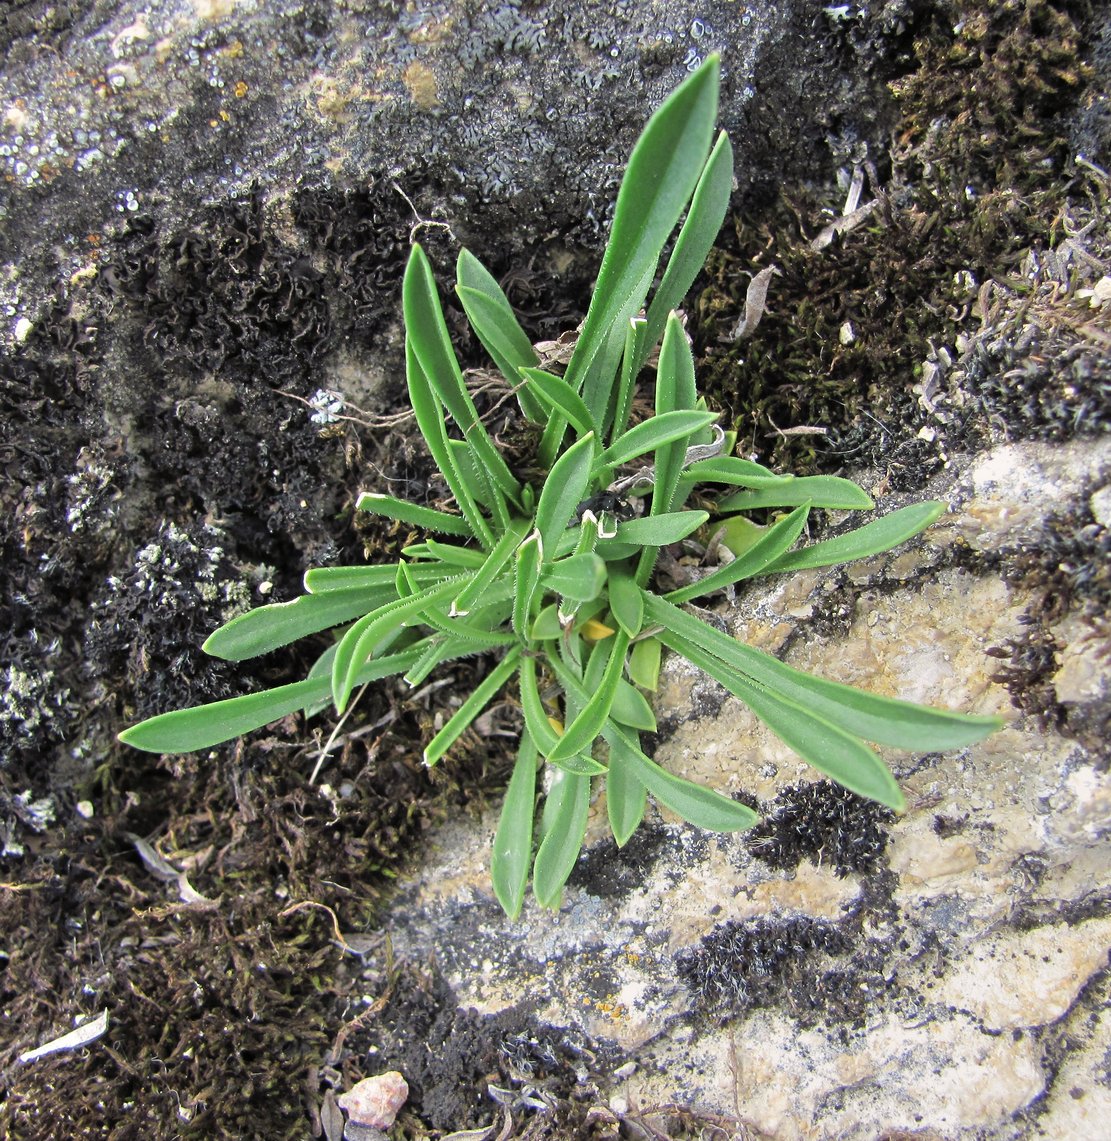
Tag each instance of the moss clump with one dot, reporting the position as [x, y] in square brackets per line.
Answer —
[979, 179]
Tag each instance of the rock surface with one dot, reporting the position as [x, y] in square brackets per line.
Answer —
[976, 953]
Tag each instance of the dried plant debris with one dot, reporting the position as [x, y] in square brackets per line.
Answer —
[825, 823]
[958, 311]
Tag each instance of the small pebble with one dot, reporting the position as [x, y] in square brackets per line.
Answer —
[374, 1102]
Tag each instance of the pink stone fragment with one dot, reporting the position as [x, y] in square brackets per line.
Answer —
[374, 1102]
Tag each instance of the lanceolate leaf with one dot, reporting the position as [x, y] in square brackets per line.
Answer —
[526, 583]
[818, 490]
[187, 730]
[565, 814]
[539, 728]
[512, 854]
[631, 709]
[555, 394]
[563, 491]
[674, 392]
[696, 239]
[496, 561]
[695, 803]
[496, 326]
[268, 627]
[885, 720]
[659, 530]
[701, 806]
[626, 798]
[731, 470]
[626, 601]
[879, 535]
[819, 742]
[402, 510]
[479, 698]
[652, 434]
[663, 171]
[644, 663]
[430, 420]
[577, 577]
[426, 329]
[764, 551]
[584, 730]
[366, 634]
[454, 556]
[319, 580]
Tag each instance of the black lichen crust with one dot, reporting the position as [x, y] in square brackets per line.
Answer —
[460, 1064]
[1068, 569]
[819, 971]
[741, 965]
[825, 823]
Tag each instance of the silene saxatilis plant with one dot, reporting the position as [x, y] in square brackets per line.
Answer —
[554, 583]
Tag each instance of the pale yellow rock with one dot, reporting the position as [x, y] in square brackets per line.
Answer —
[924, 859]
[802, 1085]
[1027, 978]
[1079, 1104]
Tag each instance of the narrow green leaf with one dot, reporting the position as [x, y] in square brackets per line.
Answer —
[626, 388]
[267, 628]
[440, 649]
[555, 394]
[755, 560]
[569, 797]
[675, 392]
[662, 174]
[626, 798]
[426, 328]
[659, 530]
[495, 563]
[430, 420]
[580, 765]
[526, 583]
[363, 638]
[449, 553]
[187, 730]
[819, 490]
[879, 535]
[496, 326]
[695, 803]
[696, 239]
[631, 709]
[819, 742]
[644, 663]
[652, 434]
[539, 728]
[427, 518]
[512, 853]
[599, 382]
[320, 580]
[626, 601]
[701, 806]
[563, 491]
[583, 731]
[731, 470]
[547, 626]
[885, 720]
[577, 577]
[475, 703]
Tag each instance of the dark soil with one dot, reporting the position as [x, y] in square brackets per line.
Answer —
[215, 905]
